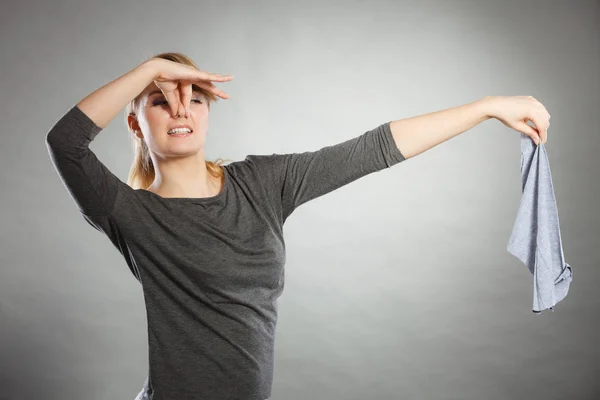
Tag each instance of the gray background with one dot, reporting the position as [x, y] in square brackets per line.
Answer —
[398, 285]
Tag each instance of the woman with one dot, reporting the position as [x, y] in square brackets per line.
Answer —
[205, 240]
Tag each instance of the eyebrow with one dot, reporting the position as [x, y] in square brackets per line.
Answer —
[195, 88]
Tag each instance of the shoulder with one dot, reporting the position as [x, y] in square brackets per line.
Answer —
[264, 169]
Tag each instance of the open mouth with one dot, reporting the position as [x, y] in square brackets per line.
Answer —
[180, 132]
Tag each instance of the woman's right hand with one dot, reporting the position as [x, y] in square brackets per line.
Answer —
[175, 81]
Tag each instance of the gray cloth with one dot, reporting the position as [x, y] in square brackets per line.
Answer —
[211, 269]
[535, 238]
[145, 393]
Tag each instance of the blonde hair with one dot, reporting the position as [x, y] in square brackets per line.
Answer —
[141, 173]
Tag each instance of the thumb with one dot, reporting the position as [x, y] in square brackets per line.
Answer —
[529, 131]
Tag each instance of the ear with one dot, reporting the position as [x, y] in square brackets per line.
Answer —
[133, 125]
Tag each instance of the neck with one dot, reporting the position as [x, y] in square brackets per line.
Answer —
[184, 177]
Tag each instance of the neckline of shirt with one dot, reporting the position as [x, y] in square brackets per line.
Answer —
[196, 199]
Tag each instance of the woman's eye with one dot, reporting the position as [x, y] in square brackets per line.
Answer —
[157, 103]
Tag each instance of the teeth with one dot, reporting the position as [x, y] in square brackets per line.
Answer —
[179, 130]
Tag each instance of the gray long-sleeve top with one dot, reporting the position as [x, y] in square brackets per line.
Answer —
[211, 268]
[535, 239]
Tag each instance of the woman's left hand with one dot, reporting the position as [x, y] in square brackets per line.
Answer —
[515, 111]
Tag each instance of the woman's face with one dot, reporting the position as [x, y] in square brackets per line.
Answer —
[155, 120]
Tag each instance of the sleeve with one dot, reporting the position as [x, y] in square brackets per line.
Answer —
[91, 185]
[296, 178]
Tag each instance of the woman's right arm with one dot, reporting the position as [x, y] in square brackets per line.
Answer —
[92, 186]
[105, 103]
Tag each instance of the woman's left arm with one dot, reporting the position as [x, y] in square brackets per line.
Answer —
[415, 135]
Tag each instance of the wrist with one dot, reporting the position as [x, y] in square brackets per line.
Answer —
[486, 105]
[151, 68]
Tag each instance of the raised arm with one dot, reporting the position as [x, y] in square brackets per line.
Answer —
[91, 185]
[295, 178]
[417, 134]
[105, 103]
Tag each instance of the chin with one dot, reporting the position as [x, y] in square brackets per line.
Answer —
[182, 149]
